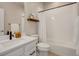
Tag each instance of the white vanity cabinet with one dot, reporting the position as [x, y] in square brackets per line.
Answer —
[17, 52]
[28, 49]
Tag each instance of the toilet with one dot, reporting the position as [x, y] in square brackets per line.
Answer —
[43, 49]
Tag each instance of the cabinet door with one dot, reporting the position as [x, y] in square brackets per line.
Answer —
[31, 52]
[17, 52]
[30, 48]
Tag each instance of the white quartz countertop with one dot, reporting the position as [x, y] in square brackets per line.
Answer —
[9, 45]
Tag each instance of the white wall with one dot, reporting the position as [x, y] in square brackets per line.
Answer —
[31, 7]
[48, 5]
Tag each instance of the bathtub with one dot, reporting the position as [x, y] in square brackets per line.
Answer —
[62, 50]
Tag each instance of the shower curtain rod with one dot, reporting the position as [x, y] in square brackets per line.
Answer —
[58, 7]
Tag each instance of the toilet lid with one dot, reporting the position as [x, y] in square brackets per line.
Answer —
[43, 45]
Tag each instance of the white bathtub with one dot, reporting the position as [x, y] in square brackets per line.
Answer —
[62, 50]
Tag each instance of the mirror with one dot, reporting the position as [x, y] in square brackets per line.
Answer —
[1, 21]
[10, 13]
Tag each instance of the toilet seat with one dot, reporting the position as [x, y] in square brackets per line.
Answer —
[43, 46]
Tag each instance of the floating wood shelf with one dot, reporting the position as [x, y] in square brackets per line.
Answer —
[35, 20]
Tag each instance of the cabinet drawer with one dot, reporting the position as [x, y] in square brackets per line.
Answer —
[30, 46]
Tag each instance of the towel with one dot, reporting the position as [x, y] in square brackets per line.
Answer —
[14, 28]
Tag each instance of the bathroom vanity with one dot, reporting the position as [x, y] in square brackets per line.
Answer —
[24, 46]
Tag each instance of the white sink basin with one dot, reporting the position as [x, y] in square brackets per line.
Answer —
[4, 37]
[11, 42]
[8, 43]
[14, 42]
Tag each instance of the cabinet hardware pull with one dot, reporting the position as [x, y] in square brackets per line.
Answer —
[32, 53]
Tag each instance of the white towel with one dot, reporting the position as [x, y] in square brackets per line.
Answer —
[14, 28]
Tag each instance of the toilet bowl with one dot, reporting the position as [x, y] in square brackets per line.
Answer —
[43, 46]
[43, 49]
